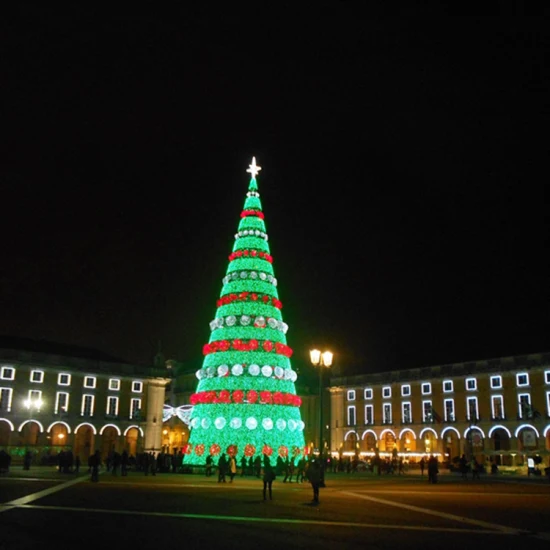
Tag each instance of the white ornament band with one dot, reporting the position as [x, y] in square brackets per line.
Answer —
[249, 320]
[254, 275]
[251, 233]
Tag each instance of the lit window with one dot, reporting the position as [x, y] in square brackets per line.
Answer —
[406, 412]
[496, 382]
[6, 395]
[369, 414]
[524, 406]
[471, 408]
[427, 415]
[7, 373]
[548, 403]
[387, 413]
[87, 405]
[112, 406]
[547, 376]
[368, 393]
[37, 376]
[137, 387]
[522, 379]
[351, 395]
[64, 379]
[135, 408]
[449, 405]
[471, 384]
[89, 381]
[386, 391]
[447, 386]
[351, 416]
[114, 384]
[497, 407]
[61, 402]
[426, 388]
[406, 390]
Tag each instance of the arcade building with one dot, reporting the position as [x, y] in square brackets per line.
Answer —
[496, 410]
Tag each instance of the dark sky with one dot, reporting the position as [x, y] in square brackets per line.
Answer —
[403, 181]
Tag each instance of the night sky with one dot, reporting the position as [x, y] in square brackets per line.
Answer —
[403, 182]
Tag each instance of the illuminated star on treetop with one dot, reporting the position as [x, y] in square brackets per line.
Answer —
[253, 168]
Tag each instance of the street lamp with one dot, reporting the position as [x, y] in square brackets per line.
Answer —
[321, 360]
[33, 405]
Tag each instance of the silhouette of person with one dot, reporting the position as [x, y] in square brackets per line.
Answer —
[96, 463]
[269, 476]
[314, 476]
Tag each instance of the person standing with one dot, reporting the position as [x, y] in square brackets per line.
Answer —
[269, 476]
[314, 477]
[432, 469]
[208, 470]
[232, 468]
[222, 467]
[77, 464]
[422, 466]
[96, 463]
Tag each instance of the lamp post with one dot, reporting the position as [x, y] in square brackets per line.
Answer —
[321, 360]
[33, 404]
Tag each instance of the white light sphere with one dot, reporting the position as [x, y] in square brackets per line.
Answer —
[281, 424]
[251, 423]
[223, 370]
[236, 370]
[220, 422]
[236, 423]
[267, 424]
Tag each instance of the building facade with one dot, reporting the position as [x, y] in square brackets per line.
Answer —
[495, 410]
[52, 402]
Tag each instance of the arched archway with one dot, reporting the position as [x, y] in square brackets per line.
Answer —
[59, 437]
[450, 441]
[109, 441]
[527, 437]
[29, 434]
[84, 442]
[388, 441]
[500, 443]
[6, 429]
[132, 441]
[351, 440]
[407, 441]
[369, 442]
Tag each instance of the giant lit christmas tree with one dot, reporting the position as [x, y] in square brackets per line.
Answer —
[246, 402]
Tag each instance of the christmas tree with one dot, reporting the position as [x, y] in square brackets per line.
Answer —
[246, 402]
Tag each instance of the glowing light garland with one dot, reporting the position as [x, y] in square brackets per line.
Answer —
[245, 403]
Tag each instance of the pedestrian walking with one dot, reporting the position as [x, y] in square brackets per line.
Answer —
[314, 477]
[77, 464]
[269, 477]
[422, 466]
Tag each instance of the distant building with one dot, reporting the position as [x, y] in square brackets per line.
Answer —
[496, 410]
[55, 397]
